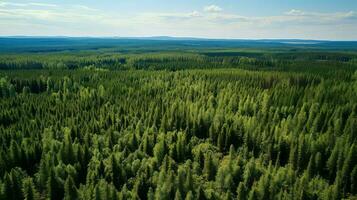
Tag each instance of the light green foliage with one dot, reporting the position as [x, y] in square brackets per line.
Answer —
[268, 133]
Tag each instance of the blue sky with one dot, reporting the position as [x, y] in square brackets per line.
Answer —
[252, 19]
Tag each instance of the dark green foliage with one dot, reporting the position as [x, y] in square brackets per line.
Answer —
[269, 132]
[70, 190]
[28, 189]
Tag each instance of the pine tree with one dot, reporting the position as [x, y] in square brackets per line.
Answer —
[310, 168]
[15, 153]
[7, 188]
[54, 191]
[220, 141]
[201, 194]
[16, 176]
[241, 191]
[347, 168]
[160, 150]
[68, 151]
[209, 168]
[178, 195]
[26, 90]
[150, 195]
[146, 144]
[12, 92]
[253, 194]
[97, 194]
[354, 180]
[134, 142]
[70, 190]
[189, 196]
[29, 190]
[189, 179]
[180, 146]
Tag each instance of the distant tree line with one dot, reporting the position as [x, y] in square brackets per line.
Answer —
[172, 61]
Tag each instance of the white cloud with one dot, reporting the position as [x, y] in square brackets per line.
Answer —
[31, 4]
[213, 8]
[9, 4]
[319, 16]
[295, 12]
[32, 12]
[351, 14]
[50, 19]
[42, 4]
[83, 7]
[194, 14]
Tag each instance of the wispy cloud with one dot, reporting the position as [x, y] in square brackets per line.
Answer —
[194, 14]
[11, 4]
[64, 19]
[292, 16]
[320, 15]
[213, 8]
[295, 12]
[47, 12]
[42, 4]
[290, 24]
[83, 7]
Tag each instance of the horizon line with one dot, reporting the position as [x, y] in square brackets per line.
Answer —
[167, 37]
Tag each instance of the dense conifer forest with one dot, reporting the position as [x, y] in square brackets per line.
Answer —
[207, 122]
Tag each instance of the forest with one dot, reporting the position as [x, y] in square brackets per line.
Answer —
[216, 121]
